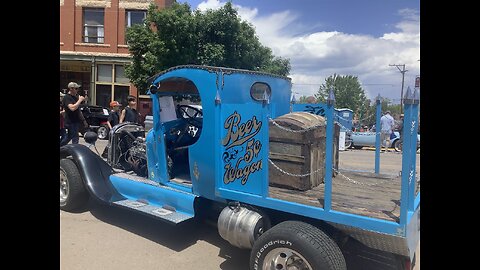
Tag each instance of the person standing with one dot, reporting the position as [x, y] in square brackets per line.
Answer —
[130, 114]
[386, 122]
[400, 126]
[63, 131]
[73, 119]
[113, 120]
[114, 117]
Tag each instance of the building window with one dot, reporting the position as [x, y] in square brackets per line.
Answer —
[111, 84]
[93, 26]
[120, 74]
[104, 73]
[134, 17]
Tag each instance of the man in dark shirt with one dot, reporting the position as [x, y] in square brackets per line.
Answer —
[130, 114]
[63, 131]
[73, 119]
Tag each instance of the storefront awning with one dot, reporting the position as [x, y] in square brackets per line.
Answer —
[95, 56]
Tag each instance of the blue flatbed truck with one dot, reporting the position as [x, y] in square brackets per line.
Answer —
[214, 164]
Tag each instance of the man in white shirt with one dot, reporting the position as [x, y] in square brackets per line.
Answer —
[387, 123]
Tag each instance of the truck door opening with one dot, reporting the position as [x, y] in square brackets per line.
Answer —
[181, 116]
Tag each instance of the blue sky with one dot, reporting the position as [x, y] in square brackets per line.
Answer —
[347, 37]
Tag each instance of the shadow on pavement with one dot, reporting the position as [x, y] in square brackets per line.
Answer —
[176, 237]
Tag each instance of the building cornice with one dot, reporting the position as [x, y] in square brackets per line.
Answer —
[135, 4]
[73, 55]
[93, 3]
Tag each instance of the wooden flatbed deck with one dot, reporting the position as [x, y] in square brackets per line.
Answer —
[376, 196]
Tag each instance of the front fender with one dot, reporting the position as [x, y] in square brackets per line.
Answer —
[95, 172]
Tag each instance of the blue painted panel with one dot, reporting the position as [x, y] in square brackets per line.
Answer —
[157, 196]
[152, 157]
[417, 201]
[243, 148]
[328, 158]
[378, 110]
[345, 118]
[317, 108]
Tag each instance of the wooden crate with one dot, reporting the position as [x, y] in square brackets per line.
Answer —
[299, 153]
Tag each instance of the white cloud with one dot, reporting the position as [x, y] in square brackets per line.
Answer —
[316, 55]
[210, 4]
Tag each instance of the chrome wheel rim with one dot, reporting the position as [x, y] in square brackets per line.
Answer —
[102, 133]
[348, 144]
[63, 187]
[398, 146]
[285, 259]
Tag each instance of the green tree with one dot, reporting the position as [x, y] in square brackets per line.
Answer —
[367, 116]
[388, 106]
[348, 92]
[177, 36]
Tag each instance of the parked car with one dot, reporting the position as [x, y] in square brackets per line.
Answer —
[96, 117]
[367, 139]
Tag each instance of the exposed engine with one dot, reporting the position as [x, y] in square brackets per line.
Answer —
[137, 157]
[127, 148]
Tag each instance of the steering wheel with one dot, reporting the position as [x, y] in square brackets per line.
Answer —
[192, 119]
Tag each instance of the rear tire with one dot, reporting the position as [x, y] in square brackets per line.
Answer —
[72, 192]
[296, 245]
[398, 145]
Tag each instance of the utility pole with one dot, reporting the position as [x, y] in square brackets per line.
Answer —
[403, 80]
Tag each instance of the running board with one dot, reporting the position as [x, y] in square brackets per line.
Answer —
[158, 212]
[149, 197]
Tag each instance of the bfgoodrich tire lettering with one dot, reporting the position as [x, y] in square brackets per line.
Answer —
[305, 243]
[72, 192]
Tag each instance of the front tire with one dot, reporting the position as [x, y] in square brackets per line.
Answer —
[348, 144]
[296, 245]
[72, 192]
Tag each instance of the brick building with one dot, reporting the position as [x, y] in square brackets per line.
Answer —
[93, 51]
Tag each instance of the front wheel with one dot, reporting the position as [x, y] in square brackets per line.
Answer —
[348, 144]
[72, 192]
[296, 245]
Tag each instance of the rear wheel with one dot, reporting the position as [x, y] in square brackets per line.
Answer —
[296, 245]
[72, 192]
[398, 145]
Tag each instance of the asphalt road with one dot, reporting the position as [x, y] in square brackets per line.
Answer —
[102, 237]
